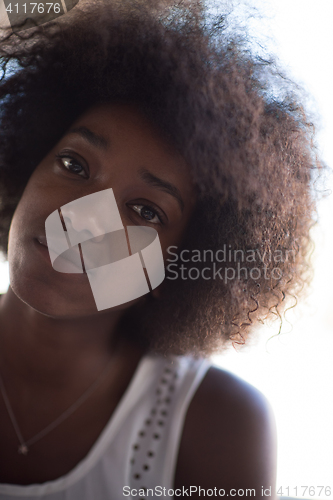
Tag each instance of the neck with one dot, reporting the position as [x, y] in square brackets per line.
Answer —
[33, 344]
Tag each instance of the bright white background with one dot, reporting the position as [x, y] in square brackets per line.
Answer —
[295, 370]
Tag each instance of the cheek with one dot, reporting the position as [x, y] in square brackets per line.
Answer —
[39, 199]
[32, 277]
[23, 229]
[27, 221]
[19, 226]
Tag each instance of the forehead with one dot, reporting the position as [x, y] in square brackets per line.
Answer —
[117, 123]
[121, 132]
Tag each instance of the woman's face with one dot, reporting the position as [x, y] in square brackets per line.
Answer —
[109, 146]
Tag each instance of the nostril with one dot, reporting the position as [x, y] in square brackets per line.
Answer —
[82, 226]
[77, 227]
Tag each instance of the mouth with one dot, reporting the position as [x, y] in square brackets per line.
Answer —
[40, 244]
[42, 240]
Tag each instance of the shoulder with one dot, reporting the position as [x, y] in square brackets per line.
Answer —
[229, 437]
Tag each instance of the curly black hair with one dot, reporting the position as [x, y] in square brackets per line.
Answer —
[252, 153]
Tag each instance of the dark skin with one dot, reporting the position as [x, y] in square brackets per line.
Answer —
[54, 343]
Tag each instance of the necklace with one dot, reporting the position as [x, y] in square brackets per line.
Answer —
[25, 444]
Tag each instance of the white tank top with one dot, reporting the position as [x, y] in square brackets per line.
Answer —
[138, 447]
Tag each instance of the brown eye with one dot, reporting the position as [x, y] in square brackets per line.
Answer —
[72, 165]
[147, 213]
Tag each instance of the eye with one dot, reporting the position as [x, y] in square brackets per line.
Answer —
[72, 165]
[148, 213]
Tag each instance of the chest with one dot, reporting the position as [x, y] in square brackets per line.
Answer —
[56, 453]
[136, 441]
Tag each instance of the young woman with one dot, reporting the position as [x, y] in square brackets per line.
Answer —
[175, 114]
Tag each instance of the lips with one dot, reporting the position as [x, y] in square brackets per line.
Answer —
[42, 240]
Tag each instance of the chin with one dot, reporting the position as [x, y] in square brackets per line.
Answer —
[52, 293]
[54, 301]
[37, 284]
[60, 301]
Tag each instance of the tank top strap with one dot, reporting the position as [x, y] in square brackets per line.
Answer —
[154, 449]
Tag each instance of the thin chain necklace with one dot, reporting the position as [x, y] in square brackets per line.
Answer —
[25, 444]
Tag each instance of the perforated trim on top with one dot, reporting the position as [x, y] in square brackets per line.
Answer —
[150, 438]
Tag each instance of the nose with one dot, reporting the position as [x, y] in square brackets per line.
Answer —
[91, 216]
[84, 226]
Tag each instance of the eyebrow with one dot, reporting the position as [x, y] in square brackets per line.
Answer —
[96, 140]
[165, 186]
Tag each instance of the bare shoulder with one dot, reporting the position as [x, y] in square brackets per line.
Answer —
[229, 437]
